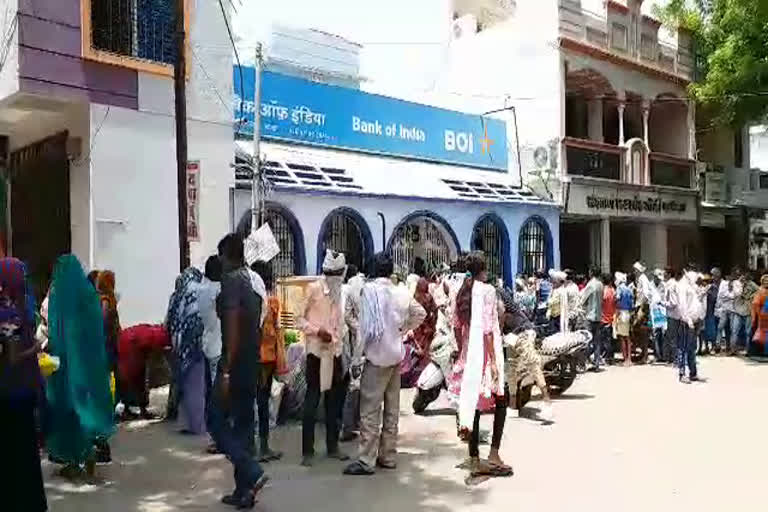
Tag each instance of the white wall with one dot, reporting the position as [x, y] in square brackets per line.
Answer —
[134, 202]
[514, 63]
[758, 145]
[134, 173]
[9, 73]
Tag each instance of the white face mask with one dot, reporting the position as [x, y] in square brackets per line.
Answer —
[334, 284]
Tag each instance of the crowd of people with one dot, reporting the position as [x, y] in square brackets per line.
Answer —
[677, 314]
[365, 336]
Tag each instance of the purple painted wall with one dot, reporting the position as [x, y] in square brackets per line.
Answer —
[51, 63]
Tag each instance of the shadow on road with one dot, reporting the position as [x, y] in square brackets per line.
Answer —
[157, 470]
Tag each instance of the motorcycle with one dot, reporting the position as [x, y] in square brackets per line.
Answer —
[562, 354]
[432, 379]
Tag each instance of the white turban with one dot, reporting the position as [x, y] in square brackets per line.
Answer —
[334, 261]
[557, 275]
[620, 278]
[639, 267]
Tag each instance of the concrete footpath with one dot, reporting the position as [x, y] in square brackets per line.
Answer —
[628, 439]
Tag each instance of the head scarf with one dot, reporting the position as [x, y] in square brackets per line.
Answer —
[184, 322]
[17, 321]
[620, 278]
[105, 284]
[639, 267]
[79, 392]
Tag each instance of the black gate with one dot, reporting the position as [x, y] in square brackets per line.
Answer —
[344, 235]
[487, 238]
[284, 264]
[40, 208]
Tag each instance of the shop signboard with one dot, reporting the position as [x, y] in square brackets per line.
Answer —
[617, 201]
[193, 201]
[305, 112]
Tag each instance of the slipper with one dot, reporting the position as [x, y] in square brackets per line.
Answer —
[500, 470]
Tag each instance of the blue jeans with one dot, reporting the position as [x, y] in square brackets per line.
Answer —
[597, 343]
[686, 349]
[737, 321]
[230, 430]
[722, 323]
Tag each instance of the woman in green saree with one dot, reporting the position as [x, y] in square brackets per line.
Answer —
[78, 393]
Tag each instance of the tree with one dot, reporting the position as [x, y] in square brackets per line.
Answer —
[731, 38]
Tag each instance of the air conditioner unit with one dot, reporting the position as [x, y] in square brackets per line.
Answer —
[464, 26]
[545, 157]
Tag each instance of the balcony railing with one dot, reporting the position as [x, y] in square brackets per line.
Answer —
[593, 159]
[593, 29]
[143, 30]
[671, 171]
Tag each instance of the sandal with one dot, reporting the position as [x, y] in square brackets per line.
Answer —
[500, 470]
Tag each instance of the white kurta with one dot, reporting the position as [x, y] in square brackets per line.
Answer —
[477, 377]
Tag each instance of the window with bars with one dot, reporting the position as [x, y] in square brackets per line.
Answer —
[420, 237]
[487, 238]
[284, 264]
[143, 29]
[533, 247]
[345, 236]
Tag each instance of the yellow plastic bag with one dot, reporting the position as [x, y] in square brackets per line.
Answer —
[48, 364]
[112, 385]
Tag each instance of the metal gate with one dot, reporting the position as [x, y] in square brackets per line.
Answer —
[344, 235]
[420, 237]
[284, 264]
[40, 208]
[487, 238]
[533, 247]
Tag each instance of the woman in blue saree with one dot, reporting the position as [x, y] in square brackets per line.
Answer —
[80, 402]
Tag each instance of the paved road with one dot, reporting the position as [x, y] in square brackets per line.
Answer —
[625, 440]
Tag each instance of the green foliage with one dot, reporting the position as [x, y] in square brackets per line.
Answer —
[731, 39]
[290, 337]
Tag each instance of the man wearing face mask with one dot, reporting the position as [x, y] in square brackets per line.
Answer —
[322, 321]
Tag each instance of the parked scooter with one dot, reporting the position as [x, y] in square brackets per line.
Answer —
[561, 354]
[433, 378]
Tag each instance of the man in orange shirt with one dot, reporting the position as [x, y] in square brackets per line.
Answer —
[606, 320]
[272, 358]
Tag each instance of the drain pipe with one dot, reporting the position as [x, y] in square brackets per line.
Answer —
[383, 231]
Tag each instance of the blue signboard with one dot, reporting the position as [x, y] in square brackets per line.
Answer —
[305, 112]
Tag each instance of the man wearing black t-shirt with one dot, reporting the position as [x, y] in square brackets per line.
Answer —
[231, 418]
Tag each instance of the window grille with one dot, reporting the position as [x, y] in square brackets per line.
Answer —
[344, 235]
[487, 238]
[144, 29]
[533, 247]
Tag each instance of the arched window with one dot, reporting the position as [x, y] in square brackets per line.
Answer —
[344, 230]
[422, 235]
[490, 236]
[287, 232]
[535, 251]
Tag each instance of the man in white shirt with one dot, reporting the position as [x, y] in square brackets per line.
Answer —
[691, 311]
[724, 310]
[209, 290]
[387, 313]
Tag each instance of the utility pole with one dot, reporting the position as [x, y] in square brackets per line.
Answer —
[257, 196]
[180, 91]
